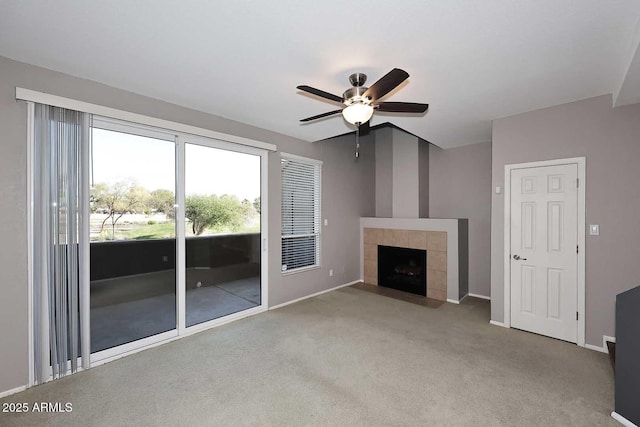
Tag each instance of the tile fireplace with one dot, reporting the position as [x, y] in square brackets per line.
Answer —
[444, 242]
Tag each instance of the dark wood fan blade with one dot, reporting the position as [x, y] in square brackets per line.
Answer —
[402, 107]
[321, 93]
[386, 84]
[364, 128]
[319, 116]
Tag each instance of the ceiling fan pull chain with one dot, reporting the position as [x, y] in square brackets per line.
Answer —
[358, 141]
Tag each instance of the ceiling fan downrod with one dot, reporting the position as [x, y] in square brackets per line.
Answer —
[357, 79]
[358, 141]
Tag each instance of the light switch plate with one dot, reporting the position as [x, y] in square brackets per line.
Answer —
[498, 190]
[594, 230]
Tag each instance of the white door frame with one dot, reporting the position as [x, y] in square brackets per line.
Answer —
[183, 139]
[581, 163]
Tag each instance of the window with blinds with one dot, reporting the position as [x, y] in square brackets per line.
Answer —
[301, 179]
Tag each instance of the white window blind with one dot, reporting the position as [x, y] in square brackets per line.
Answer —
[301, 180]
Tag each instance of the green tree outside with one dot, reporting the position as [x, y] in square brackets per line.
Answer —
[118, 199]
[212, 211]
[162, 201]
[205, 212]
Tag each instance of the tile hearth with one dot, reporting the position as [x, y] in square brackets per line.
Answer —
[399, 295]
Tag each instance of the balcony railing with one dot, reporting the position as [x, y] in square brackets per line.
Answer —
[118, 258]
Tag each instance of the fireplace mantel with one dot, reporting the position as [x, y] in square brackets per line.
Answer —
[456, 229]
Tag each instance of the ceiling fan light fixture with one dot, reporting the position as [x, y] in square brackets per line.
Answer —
[357, 113]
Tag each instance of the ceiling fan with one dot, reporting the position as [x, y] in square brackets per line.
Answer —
[361, 101]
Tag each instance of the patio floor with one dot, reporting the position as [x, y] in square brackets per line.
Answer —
[120, 323]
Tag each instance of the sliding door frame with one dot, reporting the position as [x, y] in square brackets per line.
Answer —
[112, 353]
[183, 330]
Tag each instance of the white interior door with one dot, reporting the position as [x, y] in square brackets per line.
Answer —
[543, 251]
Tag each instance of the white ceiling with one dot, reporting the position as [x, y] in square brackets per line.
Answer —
[472, 61]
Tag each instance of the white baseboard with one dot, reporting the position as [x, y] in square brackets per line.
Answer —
[12, 391]
[479, 296]
[496, 323]
[595, 348]
[313, 295]
[453, 301]
[604, 348]
[622, 420]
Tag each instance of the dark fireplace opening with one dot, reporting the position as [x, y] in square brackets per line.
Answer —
[403, 269]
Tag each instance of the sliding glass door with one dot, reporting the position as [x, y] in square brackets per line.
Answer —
[176, 235]
[132, 235]
[222, 232]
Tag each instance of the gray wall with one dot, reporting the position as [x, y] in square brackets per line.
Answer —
[348, 193]
[402, 174]
[423, 178]
[463, 258]
[460, 187]
[384, 172]
[405, 198]
[610, 140]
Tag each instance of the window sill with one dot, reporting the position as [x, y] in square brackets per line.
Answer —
[300, 270]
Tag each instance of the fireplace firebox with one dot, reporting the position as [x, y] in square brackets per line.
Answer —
[403, 269]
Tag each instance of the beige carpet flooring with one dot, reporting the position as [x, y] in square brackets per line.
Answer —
[345, 358]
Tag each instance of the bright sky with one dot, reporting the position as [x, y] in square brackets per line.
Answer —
[151, 163]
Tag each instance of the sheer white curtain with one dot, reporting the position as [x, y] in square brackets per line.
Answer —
[60, 240]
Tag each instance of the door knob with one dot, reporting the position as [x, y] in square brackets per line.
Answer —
[519, 258]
